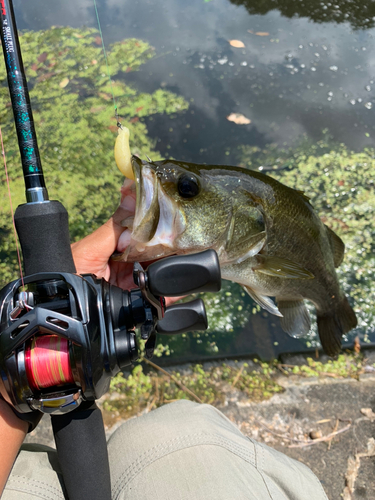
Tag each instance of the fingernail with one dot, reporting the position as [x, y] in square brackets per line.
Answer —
[128, 203]
[124, 240]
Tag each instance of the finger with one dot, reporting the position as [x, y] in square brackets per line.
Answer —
[122, 275]
[91, 254]
[171, 300]
[3, 392]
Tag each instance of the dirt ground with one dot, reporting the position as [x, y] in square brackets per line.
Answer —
[336, 412]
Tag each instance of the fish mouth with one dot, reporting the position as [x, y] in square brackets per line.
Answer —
[158, 221]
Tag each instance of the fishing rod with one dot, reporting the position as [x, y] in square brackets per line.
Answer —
[43, 232]
[88, 323]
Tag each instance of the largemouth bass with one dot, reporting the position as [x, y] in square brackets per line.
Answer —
[267, 236]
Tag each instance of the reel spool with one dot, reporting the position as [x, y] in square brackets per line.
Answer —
[47, 362]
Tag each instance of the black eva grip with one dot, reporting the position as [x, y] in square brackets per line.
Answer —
[82, 452]
[43, 232]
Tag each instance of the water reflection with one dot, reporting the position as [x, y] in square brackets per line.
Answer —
[360, 14]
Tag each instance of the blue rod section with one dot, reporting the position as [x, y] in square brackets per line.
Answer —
[23, 117]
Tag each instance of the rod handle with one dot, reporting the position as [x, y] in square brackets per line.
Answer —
[82, 452]
[43, 231]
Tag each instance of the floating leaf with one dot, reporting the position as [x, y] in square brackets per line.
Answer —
[259, 33]
[44, 77]
[42, 57]
[64, 82]
[237, 43]
[238, 119]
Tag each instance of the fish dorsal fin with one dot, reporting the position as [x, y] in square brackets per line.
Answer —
[264, 301]
[304, 196]
[296, 320]
[281, 268]
[337, 246]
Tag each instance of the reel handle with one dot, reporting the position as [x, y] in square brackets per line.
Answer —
[185, 274]
[181, 318]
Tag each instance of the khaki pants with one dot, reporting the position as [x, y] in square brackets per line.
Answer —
[182, 451]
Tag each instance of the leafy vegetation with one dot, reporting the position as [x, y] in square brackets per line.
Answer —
[130, 395]
[348, 366]
[74, 118]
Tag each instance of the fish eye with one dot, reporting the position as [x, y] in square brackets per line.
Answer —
[188, 186]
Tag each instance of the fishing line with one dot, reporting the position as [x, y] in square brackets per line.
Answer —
[11, 207]
[106, 62]
[47, 362]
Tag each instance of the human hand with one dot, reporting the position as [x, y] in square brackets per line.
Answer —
[12, 433]
[93, 253]
[3, 392]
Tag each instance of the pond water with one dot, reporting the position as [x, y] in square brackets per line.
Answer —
[301, 75]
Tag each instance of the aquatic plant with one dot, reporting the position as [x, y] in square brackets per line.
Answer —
[75, 124]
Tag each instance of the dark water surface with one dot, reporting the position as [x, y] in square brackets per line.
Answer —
[299, 79]
[304, 68]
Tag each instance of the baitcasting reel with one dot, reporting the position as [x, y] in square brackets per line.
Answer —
[63, 338]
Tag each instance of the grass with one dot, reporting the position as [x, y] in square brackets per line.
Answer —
[345, 366]
[256, 381]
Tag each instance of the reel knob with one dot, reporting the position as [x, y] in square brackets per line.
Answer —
[181, 318]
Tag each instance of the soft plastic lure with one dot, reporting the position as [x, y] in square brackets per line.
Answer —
[122, 153]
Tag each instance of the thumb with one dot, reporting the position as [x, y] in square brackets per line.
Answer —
[91, 254]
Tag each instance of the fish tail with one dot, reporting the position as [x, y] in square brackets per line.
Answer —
[333, 325]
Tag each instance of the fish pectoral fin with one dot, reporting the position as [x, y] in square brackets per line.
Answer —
[337, 246]
[281, 268]
[252, 245]
[264, 301]
[295, 320]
